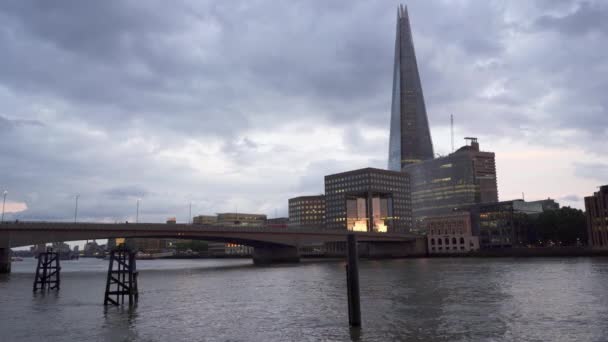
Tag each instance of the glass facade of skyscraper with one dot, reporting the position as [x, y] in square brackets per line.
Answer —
[410, 136]
[467, 176]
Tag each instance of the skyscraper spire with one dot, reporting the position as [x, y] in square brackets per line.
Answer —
[410, 139]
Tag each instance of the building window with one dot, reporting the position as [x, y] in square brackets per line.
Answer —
[453, 241]
[432, 241]
[462, 241]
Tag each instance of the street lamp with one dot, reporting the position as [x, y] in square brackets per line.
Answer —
[3, 203]
[76, 208]
[137, 213]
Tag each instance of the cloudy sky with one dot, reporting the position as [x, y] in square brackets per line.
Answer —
[239, 105]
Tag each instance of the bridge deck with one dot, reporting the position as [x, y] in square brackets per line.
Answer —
[16, 234]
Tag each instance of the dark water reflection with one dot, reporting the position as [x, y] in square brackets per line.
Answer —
[231, 300]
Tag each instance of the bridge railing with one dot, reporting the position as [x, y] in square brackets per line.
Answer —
[55, 225]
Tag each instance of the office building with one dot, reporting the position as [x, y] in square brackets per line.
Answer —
[204, 219]
[505, 224]
[152, 245]
[307, 212]
[410, 136]
[368, 199]
[451, 234]
[596, 208]
[91, 248]
[241, 219]
[149, 245]
[465, 177]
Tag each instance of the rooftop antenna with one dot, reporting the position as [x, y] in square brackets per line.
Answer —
[452, 130]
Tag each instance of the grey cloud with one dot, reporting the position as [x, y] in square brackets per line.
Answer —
[130, 191]
[313, 180]
[93, 93]
[587, 17]
[571, 198]
[6, 123]
[594, 171]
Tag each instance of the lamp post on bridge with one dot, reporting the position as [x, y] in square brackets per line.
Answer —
[3, 203]
[137, 212]
[76, 208]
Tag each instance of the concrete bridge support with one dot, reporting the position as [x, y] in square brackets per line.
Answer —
[416, 248]
[5, 260]
[272, 254]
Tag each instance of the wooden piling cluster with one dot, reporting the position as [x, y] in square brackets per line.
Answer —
[122, 279]
[47, 271]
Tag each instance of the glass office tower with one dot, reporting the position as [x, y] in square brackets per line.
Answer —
[410, 137]
[467, 176]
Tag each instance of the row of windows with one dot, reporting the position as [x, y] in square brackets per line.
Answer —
[447, 241]
[397, 197]
[448, 248]
[366, 176]
[366, 183]
[311, 205]
[307, 211]
[446, 231]
[307, 218]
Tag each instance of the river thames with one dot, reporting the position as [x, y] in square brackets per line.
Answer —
[458, 299]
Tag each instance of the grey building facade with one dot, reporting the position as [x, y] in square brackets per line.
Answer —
[410, 137]
[368, 199]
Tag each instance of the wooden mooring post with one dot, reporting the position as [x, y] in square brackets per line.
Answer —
[352, 282]
[122, 278]
[47, 271]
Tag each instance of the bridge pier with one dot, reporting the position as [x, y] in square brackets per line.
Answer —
[272, 254]
[5, 260]
[416, 248]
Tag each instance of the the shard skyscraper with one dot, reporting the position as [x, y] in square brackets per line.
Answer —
[410, 139]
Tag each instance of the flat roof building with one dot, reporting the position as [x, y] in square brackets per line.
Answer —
[241, 219]
[204, 219]
[307, 212]
[368, 199]
[465, 177]
[505, 224]
[596, 208]
[451, 234]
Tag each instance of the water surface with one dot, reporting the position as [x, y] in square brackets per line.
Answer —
[455, 299]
